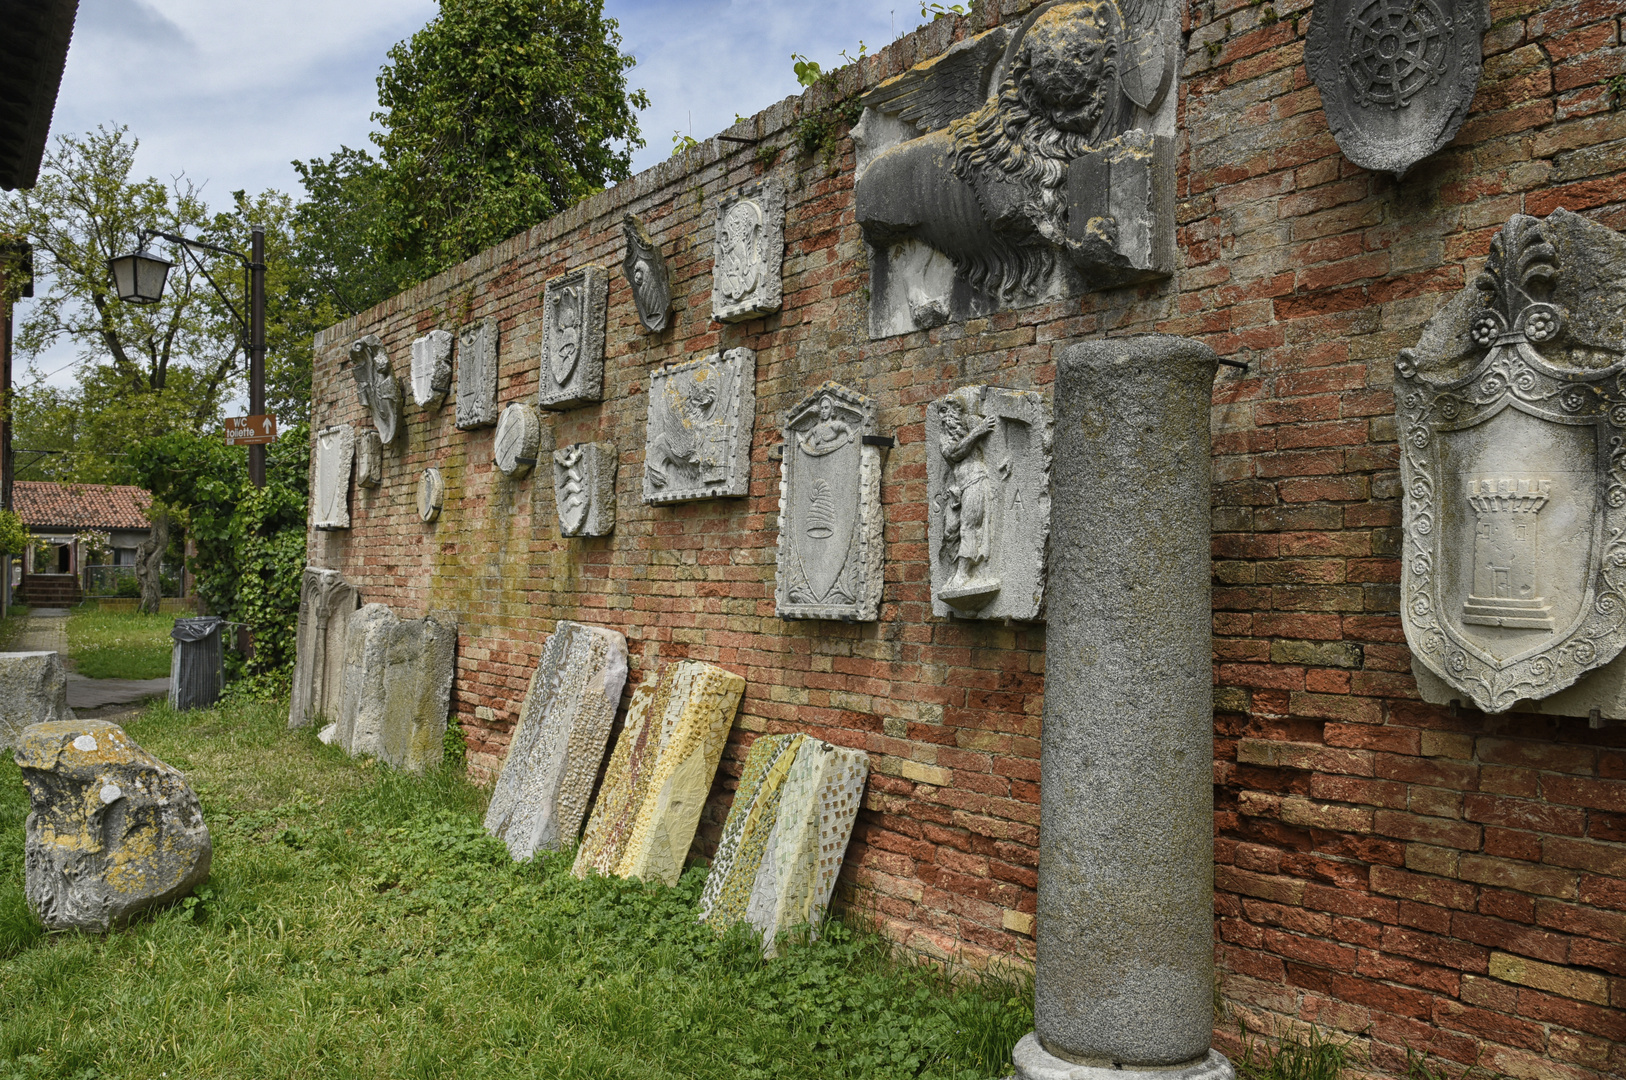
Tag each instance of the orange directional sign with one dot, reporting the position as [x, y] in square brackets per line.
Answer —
[250, 430]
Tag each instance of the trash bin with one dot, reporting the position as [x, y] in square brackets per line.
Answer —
[197, 670]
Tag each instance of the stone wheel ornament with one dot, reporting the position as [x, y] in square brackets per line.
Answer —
[1396, 48]
[431, 495]
[519, 433]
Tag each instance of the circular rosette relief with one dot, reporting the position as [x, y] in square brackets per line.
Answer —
[519, 433]
[431, 494]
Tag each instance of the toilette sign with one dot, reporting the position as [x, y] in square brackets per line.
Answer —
[250, 430]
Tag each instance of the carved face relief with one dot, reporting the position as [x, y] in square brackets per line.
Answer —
[1513, 461]
[1072, 66]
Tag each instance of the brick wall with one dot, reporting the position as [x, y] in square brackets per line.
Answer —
[1398, 872]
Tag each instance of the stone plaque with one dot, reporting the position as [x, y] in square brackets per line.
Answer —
[397, 689]
[325, 603]
[377, 386]
[330, 485]
[541, 796]
[1022, 166]
[1396, 76]
[369, 458]
[1512, 419]
[830, 521]
[698, 436]
[626, 781]
[749, 253]
[431, 494]
[745, 834]
[477, 374]
[519, 433]
[574, 308]
[584, 488]
[988, 493]
[431, 368]
[645, 268]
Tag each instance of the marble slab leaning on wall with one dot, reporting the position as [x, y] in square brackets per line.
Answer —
[326, 600]
[397, 687]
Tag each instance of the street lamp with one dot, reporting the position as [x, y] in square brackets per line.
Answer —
[138, 278]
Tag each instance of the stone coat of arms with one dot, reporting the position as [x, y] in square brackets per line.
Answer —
[1512, 424]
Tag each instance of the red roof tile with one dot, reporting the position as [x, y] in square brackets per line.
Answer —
[80, 506]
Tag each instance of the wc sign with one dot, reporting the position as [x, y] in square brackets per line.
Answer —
[250, 430]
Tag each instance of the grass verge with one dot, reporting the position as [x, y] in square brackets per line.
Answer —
[105, 645]
[359, 923]
[13, 625]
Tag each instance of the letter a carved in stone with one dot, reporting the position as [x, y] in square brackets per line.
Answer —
[830, 520]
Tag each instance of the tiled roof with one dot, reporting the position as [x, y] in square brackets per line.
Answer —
[80, 506]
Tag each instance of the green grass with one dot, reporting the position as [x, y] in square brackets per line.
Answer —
[105, 645]
[359, 923]
[1314, 1056]
[12, 626]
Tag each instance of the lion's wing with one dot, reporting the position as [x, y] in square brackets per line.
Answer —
[932, 94]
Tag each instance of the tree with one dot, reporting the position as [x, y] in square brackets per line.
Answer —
[498, 115]
[340, 242]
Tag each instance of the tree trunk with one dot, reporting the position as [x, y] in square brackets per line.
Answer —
[149, 558]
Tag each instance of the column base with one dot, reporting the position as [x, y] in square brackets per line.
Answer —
[1034, 1062]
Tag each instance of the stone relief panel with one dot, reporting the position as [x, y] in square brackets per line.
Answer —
[1022, 166]
[519, 434]
[1512, 420]
[326, 600]
[698, 436]
[397, 687]
[645, 268]
[1396, 76]
[377, 386]
[748, 253]
[330, 484]
[988, 490]
[431, 495]
[369, 458]
[584, 488]
[477, 374]
[431, 369]
[574, 309]
[831, 546]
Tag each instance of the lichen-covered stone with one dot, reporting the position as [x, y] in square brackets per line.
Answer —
[33, 690]
[745, 833]
[111, 830]
[626, 779]
[541, 797]
[397, 687]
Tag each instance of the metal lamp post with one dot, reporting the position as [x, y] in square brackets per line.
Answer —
[138, 278]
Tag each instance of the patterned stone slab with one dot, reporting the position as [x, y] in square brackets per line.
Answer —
[325, 603]
[330, 479]
[541, 797]
[626, 779]
[584, 488]
[804, 853]
[830, 548]
[699, 703]
[748, 253]
[519, 433]
[745, 833]
[431, 368]
[988, 502]
[369, 459]
[477, 374]
[574, 309]
[698, 435]
[397, 687]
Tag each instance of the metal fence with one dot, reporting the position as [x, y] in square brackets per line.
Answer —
[121, 581]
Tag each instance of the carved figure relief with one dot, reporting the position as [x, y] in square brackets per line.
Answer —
[431, 495]
[749, 253]
[830, 519]
[330, 483]
[477, 375]
[988, 487]
[1021, 166]
[377, 386]
[519, 434]
[698, 436]
[573, 318]
[645, 268]
[1512, 415]
[369, 459]
[584, 488]
[431, 369]
[1396, 76]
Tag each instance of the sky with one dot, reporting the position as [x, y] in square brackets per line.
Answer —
[229, 92]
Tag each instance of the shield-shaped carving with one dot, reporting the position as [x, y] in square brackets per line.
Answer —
[822, 492]
[564, 341]
[1513, 461]
[1396, 76]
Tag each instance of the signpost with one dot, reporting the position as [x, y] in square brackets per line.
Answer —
[250, 430]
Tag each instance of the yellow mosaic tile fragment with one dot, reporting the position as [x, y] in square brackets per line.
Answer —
[626, 780]
[745, 833]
